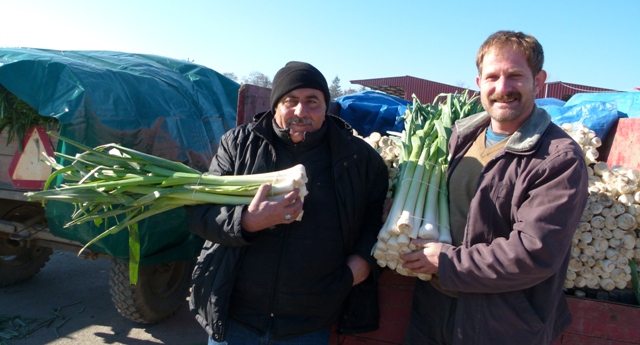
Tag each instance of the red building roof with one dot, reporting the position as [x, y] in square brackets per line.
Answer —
[427, 90]
[564, 91]
[405, 87]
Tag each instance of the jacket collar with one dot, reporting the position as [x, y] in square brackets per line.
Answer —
[522, 140]
[338, 129]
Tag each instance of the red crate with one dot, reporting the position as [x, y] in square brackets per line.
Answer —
[598, 322]
[621, 145]
[595, 322]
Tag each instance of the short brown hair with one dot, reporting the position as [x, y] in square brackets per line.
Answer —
[527, 44]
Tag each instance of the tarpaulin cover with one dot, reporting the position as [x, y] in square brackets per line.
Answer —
[597, 111]
[169, 108]
[627, 103]
[597, 116]
[373, 111]
[550, 102]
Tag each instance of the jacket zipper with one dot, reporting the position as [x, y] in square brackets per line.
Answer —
[283, 240]
[274, 293]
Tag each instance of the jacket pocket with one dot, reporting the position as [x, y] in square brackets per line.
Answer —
[503, 195]
[361, 312]
[204, 262]
[501, 212]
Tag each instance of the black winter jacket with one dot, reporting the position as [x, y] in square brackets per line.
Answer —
[361, 181]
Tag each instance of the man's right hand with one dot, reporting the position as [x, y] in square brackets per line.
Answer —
[425, 259]
[263, 213]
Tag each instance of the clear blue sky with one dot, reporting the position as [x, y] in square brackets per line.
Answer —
[594, 43]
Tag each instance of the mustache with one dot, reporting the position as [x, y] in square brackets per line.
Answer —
[497, 97]
[299, 121]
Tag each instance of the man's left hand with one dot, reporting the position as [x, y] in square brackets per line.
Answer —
[359, 267]
[425, 259]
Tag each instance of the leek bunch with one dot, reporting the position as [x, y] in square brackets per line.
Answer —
[420, 206]
[114, 184]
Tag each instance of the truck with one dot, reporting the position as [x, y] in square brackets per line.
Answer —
[142, 101]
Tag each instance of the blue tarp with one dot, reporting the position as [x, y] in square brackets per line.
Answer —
[370, 111]
[373, 111]
[169, 108]
[550, 102]
[597, 116]
[598, 111]
[627, 103]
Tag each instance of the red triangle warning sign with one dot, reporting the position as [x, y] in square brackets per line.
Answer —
[28, 169]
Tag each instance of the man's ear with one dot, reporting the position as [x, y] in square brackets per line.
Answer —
[540, 79]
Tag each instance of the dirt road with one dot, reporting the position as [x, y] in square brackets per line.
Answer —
[77, 290]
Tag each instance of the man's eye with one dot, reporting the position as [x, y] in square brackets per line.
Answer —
[313, 103]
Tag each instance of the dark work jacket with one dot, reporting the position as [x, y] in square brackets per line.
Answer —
[510, 269]
[361, 182]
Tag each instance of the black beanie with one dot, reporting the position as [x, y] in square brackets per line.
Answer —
[298, 75]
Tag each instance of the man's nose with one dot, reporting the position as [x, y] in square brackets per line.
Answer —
[300, 109]
[502, 86]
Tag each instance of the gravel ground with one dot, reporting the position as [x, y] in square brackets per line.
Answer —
[75, 294]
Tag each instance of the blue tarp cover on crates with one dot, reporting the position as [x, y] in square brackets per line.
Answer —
[372, 111]
[598, 111]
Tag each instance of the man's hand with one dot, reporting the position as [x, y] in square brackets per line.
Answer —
[424, 259]
[263, 213]
[359, 267]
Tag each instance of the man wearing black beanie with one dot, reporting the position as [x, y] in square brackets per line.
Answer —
[303, 94]
[268, 274]
[298, 75]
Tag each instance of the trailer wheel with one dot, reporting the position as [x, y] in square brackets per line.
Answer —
[21, 260]
[161, 290]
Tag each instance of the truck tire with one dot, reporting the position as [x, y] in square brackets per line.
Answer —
[20, 260]
[161, 290]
